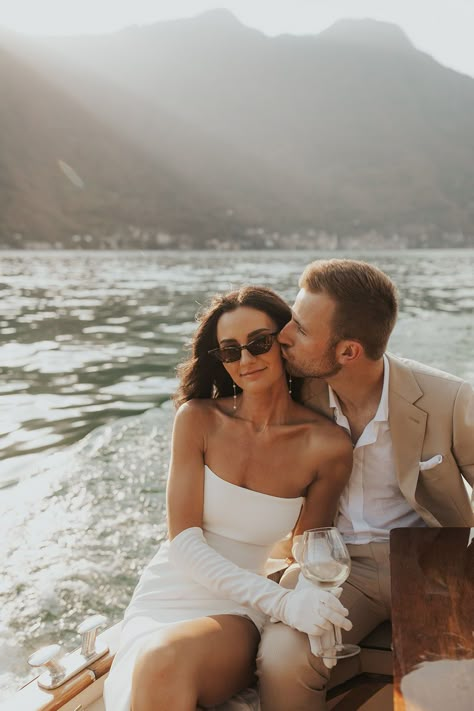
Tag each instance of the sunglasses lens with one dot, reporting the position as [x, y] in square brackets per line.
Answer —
[260, 345]
[228, 355]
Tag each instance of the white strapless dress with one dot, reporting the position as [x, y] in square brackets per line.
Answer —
[242, 525]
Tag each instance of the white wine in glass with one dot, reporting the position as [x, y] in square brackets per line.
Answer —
[326, 562]
[328, 574]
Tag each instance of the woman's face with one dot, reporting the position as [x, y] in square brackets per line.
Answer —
[239, 327]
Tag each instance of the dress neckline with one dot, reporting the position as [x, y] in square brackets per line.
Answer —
[252, 491]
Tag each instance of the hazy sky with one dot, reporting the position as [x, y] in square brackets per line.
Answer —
[443, 28]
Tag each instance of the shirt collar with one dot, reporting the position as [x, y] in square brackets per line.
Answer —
[382, 411]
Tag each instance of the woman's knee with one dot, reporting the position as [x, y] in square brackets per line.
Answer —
[161, 674]
[155, 662]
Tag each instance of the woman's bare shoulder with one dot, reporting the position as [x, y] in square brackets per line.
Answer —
[193, 421]
[203, 408]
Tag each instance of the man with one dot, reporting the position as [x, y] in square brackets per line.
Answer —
[412, 429]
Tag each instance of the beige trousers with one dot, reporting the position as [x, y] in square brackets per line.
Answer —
[291, 677]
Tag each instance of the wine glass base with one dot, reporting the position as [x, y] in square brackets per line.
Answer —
[343, 652]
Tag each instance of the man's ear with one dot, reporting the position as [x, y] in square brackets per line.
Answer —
[349, 351]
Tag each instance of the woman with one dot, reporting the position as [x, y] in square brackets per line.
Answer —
[248, 465]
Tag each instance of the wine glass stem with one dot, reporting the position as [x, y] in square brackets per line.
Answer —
[338, 638]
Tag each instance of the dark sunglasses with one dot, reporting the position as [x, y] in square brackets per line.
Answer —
[259, 346]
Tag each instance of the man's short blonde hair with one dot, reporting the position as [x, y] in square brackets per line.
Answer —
[366, 301]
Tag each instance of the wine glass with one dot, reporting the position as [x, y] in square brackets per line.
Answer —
[326, 561]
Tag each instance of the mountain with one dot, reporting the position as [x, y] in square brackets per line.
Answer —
[368, 33]
[347, 131]
[63, 172]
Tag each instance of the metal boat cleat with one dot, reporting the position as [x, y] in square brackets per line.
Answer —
[90, 648]
[49, 657]
[60, 669]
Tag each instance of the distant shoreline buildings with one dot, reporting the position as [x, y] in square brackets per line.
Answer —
[252, 238]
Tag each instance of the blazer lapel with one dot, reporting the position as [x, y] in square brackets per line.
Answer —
[407, 428]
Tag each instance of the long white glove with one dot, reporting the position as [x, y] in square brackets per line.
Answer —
[309, 610]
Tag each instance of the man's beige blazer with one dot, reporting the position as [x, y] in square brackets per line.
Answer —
[430, 413]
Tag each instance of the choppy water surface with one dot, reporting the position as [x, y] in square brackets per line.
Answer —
[88, 341]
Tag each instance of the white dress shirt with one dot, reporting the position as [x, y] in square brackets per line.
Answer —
[372, 503]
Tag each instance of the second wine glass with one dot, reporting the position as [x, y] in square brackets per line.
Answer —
[327, 563]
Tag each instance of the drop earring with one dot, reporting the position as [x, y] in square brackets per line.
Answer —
[235, 396]
[289, 384]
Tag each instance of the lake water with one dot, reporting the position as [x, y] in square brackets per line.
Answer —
[89, 342]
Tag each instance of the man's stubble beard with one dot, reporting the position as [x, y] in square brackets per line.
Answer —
[327, 367]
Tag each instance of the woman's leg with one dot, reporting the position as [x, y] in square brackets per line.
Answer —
[203, 661]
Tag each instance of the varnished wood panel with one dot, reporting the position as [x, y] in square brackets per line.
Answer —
[432, 575]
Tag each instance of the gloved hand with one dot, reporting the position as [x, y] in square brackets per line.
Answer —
[310, 610]
[324, 644]
[326, 641]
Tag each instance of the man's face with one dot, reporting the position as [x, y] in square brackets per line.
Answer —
[307, 341]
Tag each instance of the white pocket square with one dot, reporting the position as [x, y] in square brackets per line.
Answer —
[430, 463]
